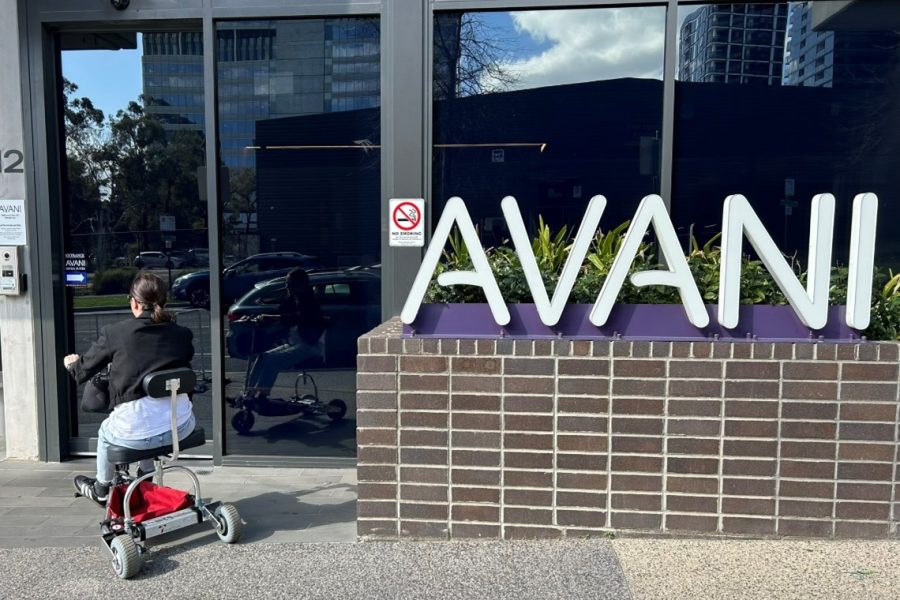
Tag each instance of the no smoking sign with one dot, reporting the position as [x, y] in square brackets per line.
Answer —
[407, 222]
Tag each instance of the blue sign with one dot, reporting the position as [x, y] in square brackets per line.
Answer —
[78, 279]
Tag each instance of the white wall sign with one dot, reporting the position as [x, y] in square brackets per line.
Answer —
[12, 223]
[740, 222]
[406, 222]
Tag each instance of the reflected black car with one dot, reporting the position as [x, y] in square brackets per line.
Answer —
[350, 300]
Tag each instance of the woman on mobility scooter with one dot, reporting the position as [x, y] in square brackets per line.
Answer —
[134, 348]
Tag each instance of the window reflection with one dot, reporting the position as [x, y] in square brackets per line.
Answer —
[801, 107]
[549, 106]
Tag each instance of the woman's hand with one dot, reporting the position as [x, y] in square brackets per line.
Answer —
[69, 359]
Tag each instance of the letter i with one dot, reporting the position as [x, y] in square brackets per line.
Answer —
[862, 260]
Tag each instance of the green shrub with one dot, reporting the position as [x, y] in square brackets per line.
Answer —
[113, 281]
[551, 251]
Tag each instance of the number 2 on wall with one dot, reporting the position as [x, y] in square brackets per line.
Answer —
[17, 159]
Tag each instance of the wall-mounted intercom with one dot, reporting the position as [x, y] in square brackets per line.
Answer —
[12, 280]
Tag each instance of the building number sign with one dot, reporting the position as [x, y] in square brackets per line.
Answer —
[11, 161]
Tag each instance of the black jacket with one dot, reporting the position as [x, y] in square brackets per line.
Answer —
[134, 348]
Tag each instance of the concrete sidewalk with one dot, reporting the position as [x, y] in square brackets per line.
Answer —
[297, 519]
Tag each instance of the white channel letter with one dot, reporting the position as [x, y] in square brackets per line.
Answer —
[862, 260]
[550, 311]
[738, 220]
[652, 209]
[455, 212]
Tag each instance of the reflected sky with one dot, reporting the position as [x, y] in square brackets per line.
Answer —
[110, 78]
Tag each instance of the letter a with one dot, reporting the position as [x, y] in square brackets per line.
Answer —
[482, 276]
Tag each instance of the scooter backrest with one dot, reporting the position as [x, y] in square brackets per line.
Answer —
[155, 383]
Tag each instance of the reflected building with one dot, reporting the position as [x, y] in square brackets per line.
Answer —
[733, 43]
[821, 57]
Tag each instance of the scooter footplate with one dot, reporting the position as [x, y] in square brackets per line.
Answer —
[171, 522]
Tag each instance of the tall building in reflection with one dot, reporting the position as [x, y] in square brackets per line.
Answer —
[733, 43]
[266, 70]
[825, 58]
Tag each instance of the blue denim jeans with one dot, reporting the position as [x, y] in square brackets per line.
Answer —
[107, 470]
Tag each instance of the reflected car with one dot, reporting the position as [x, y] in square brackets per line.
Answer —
[350, 301]
[157, 260]
[240, 277]
[198, 257]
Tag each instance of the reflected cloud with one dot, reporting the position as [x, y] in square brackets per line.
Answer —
[590, 45]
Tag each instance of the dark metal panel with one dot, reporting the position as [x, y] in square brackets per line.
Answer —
[668, 121]
[238, 9]
[101, 10]
[403, 81]
[534, 4]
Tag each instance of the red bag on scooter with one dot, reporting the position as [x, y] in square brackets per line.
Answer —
[148, 501]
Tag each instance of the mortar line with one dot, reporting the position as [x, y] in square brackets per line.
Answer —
[555, 481]
[837, 446]
[610, 348]
[664, 484]
[450, 445]
[720, 475]
[894, 482]
[502, 442]
[778, 442]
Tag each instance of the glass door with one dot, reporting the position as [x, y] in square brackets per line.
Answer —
[133, 188]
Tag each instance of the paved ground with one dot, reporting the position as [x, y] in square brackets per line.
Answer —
[300, 543]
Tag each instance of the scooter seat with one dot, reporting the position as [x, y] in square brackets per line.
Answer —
[121, 455]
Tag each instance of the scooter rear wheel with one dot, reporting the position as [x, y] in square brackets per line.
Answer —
[126, 556]
[230, 525]
[243, 421]
[336, 409]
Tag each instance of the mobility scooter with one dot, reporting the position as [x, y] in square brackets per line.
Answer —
[138, 509]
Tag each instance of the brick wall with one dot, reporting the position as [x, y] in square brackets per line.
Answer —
[511, 439]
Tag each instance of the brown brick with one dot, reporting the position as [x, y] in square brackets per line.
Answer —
[377, 364]
[424, 401]
[812, 371]
[743, 428]
[748, 487]
[871, 392]
[870, 471]
[476, 458]
[692, 485]
[593, 386]
[376, 455]
[422, 364]
[419, 437]
[529, 366]
[474, 531]
[751, 369]
[869, 372]
[809, 410]
[637, 445]
[376, 418]
[486, 347]
[395, 346]
[646, 426]
[512, 532]
[581, 404]
[476, 494]
[889, 352]
[639, 387]
[749, 526]
[468, 512]
[869, 452]
[868, 412]
[528, 460]
[581, 462]
[864, 491]
[423, 474]
[527, 478]
[475, 439]
[376, 473]
[689, 504]
[417, 419]
[809, 390]
[695, 388]
[681, 349]
[581, 443]
[742, 351]
[475, 402]
[869, 511]
[639, 349]
[749, 468]
[476, 383]
[808, 450]
[376, 381]
[646, 502]
[804, 351]
[783, 350]
[751, 389]
[806, 489]
[581, 481]
[691, 523]
[466, 347]
[639, 368]
[762, 350]
[807, 469]
[581, 518]
[424, 493]
[855, 530]
[377, 491]
[800, 429]
[708, 427]
[425, 383]
[429, 346]
[484, 421]
[637, 483]
[697, 466]
[801, 508]
[376, 528]
[516, 422]
[584, 366]
[751, 448]
[543, 347]
[531, 404]
[692, 446]
[480, 365]
[377, 345]
[644, 464]
[540, 498]
[748, 506]
[805, 528]
[423, 456]
[524, 347]
[581, 424]
[695, 408]
[881, 432]
[376, 509]
[435, 512]
[630, 520]
[695, 369]
[376, 400]
[638, 406]
[527, 516]
[424, 530]
[475, 477]
[528, 385]
[528, 441]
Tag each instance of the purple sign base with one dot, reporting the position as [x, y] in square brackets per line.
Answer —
[627, 321]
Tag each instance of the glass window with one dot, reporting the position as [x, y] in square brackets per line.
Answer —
[796, 128]
[549, 106]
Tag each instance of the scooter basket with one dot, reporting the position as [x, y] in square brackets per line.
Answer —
[148, 501]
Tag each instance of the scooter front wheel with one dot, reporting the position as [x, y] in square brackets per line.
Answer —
[243, 421]
[336, 409]
[126, 556]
